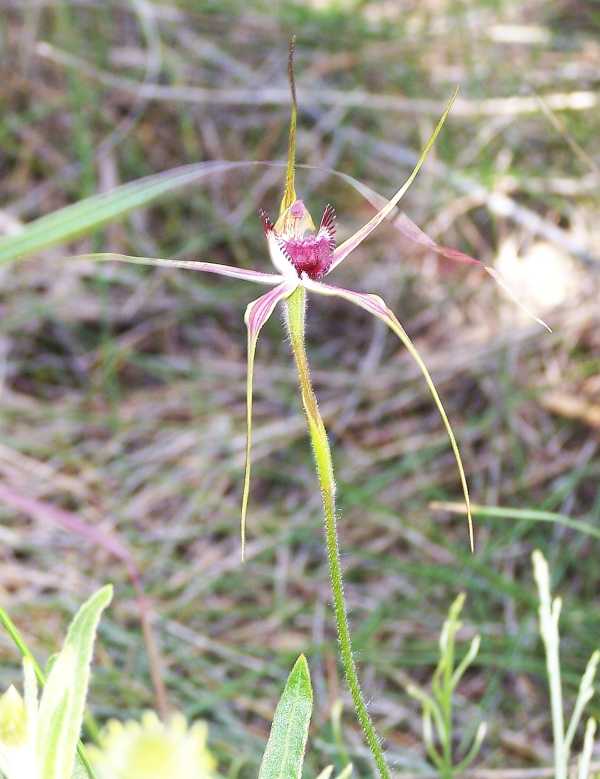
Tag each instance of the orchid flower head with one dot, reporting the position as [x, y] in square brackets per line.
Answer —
[304, 255]
[295, 245]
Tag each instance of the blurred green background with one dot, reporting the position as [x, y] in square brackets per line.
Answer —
[123, 394]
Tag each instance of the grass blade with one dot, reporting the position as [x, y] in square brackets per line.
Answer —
[87, 215]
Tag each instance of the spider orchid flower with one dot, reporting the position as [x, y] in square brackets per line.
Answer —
[303, 256]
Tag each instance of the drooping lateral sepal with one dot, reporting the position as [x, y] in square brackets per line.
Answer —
[257, 314]
[377, 307]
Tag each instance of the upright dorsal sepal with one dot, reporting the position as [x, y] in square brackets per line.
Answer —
[289, 193]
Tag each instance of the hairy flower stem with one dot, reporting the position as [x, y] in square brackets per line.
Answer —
[296, 307]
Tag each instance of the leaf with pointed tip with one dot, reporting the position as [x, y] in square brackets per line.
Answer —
[257, 314]
[284, 755]
[87, 215]
[54, 720]
[344, 249]
[63, 699]
[374, 305]
[31, 667]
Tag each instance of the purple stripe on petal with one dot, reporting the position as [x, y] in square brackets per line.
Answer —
[328, 225]
[261, 309]
[413, 232]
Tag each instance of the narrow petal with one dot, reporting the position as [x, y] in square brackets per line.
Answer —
[413, 232]
[344, 249]
[257, 313]
[255, 276]
[376, 306]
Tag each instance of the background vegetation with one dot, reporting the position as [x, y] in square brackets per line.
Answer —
[122, 418]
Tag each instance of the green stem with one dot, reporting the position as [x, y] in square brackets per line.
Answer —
[296, 306]
[447, 703]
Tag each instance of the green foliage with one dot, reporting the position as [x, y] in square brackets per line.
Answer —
[75, 659]
[48, 748]
[438, 706]
[549, 615]
[284, 755]
[89, 214]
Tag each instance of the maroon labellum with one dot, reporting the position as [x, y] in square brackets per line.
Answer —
[307, 252]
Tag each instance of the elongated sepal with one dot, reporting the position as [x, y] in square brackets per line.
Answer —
[374, 305]
[348, 246]
[413, 232]
[289, 192]
[269, 279]
[257, 314]
[89, 214]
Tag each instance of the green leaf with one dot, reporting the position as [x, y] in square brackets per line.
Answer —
[83, 764]
[63, 700]
[284, 754]
[52, 736]
[87, 215]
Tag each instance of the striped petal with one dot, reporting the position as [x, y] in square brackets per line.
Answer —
[255, 276]
[376, 306]
[257, 314]
[344, 249]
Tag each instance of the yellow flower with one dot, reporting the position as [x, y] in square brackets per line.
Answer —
[152, 749]
[18, 729]
[13, 718]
